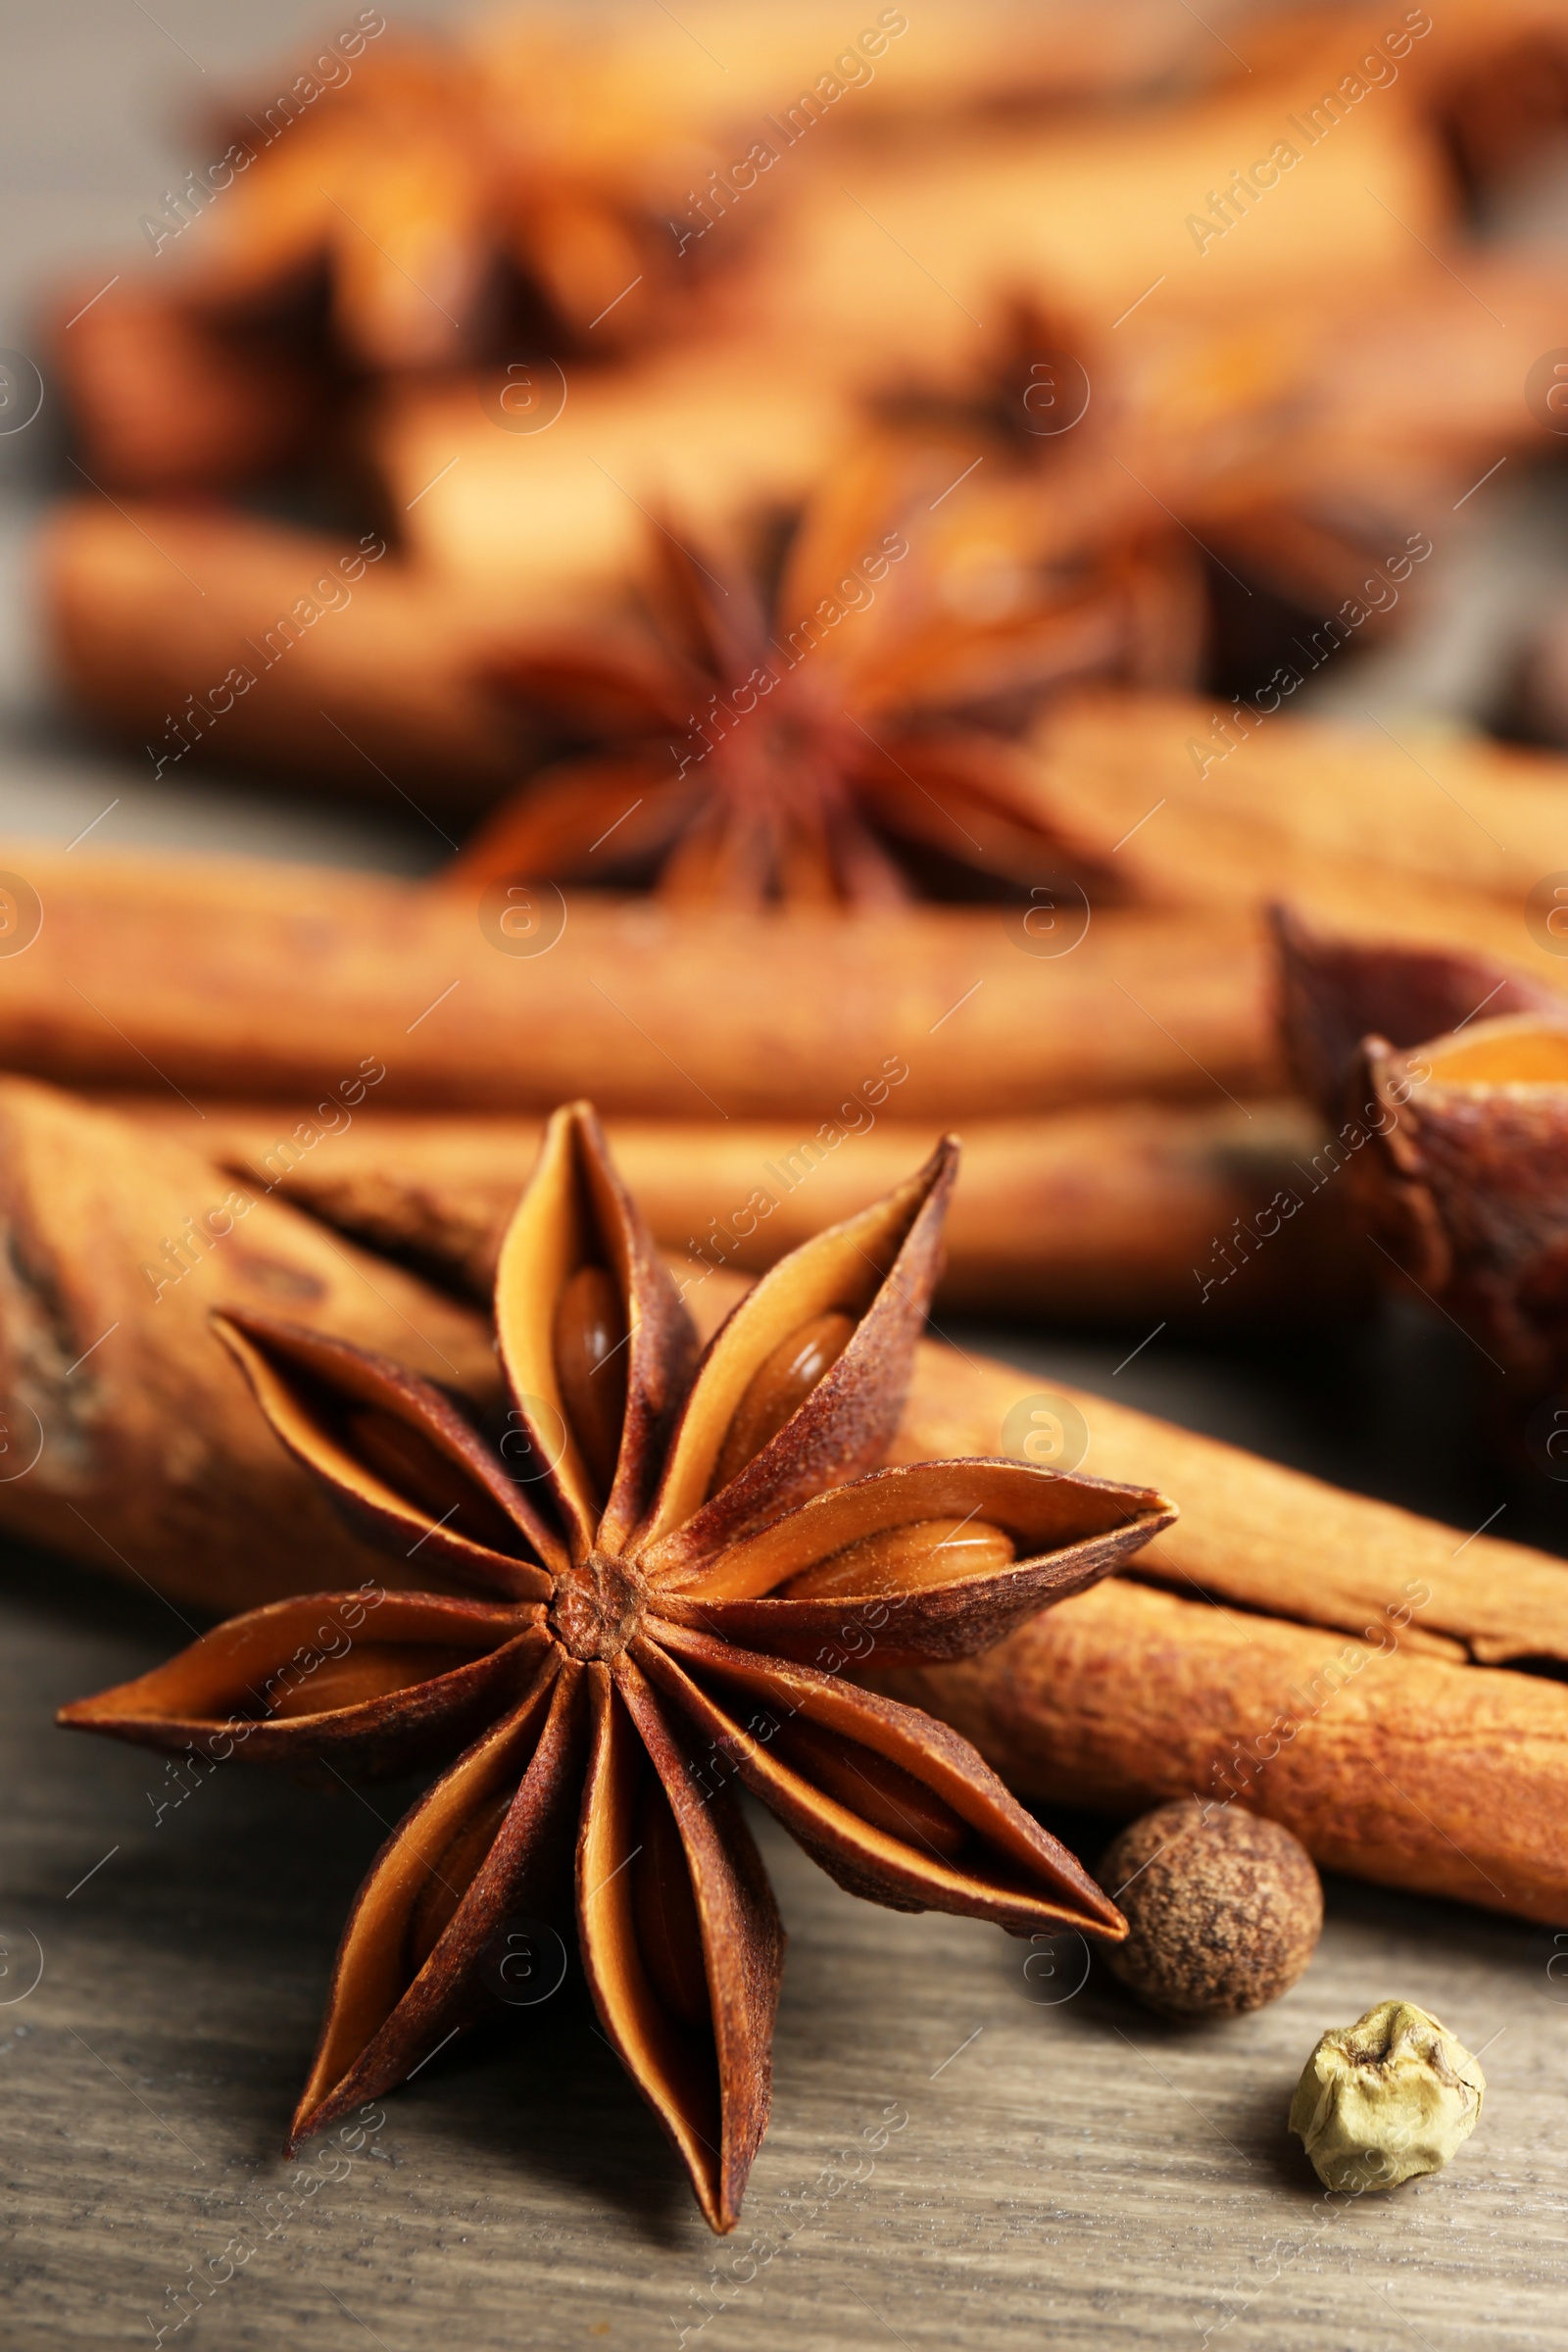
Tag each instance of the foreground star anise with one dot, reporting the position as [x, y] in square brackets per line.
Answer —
[831, 731]
[669, 1545]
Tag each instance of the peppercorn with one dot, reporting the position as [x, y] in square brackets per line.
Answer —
[1390, 2096]
[1224, 1912]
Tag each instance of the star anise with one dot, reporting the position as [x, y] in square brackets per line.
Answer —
[833, 726]
[444, 193]
[670, 1548]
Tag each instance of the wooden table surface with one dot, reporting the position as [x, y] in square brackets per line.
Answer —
[973, 2139]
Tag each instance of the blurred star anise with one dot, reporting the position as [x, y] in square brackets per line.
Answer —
[667, 1545]
[833, 727]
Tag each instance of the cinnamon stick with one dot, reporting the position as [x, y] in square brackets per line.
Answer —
[1416, 838]
[210, 637]
[130, 1441]
[1440, 1778]
[1095, 1215]
[1257, 1536]
[213, 977]
[1336, 1663]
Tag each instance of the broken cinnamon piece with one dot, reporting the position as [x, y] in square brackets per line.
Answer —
[1454, 1074]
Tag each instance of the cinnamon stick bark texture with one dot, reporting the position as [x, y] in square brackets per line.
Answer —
[1335, 1663]
[1258, 1536]
[209, 637]
[1421, 839]
[276, 981]
[1135, 1209]
[131, 1441]
[1441, 1778]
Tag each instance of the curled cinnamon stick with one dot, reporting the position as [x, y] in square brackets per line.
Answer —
[216, 638]
[1243, 807]
[1333, 1662]
[1441, 1778]
[1257, 1537]
[280, 978]
[129, 1440]
[1136, 1208]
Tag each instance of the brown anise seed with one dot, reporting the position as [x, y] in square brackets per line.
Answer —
[778, 1388]
[370, 1670]
[423, 1475]
[880, 1791]
[454, 1873]
[905, 1560]
[591, 1367]
[668, 1935]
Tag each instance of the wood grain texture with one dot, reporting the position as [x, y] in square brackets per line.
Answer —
[1067, 2170]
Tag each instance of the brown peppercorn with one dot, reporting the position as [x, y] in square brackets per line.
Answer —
[1224, 1914]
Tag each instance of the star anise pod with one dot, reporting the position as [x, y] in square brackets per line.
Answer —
[1445, 1077]
[669, 1549]
[833, 727]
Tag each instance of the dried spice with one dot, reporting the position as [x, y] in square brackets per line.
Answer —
[1327, 1660]
[279, 978]
[1223, 1909]
[663, 1545]
[1453, 1075]
[127, 1441]
[1389, 2097]
[1095, 1214]
[819, 739]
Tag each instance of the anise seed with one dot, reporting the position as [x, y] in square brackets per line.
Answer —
[591, 1367]
[778, 1388]
[905, 1560]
